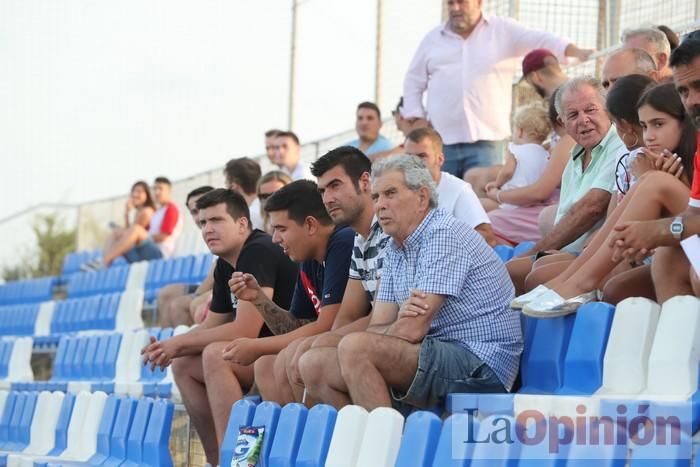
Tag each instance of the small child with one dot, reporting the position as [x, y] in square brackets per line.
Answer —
[526, 158]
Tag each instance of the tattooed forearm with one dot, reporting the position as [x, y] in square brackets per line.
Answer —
[279, 321]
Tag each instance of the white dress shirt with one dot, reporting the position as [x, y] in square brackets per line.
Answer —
[456, 197]
[469, 81]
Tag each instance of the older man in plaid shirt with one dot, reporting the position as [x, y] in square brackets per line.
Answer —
[442, 321]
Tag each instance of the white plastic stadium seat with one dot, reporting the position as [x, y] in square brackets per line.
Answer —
[136, 280]
[42, 327]
[347, 437]
[129, 311]
[382, 439]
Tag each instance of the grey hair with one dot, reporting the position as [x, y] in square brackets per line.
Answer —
[654, 36]
[416, 174]
[575, 83]
[643, 62]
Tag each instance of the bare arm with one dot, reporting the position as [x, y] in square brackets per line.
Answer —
[354, 306]
[550, 179]
[159, 237]
[506, 172]
[144, 217]
[413, 328]
[580, 219]
[274, 344]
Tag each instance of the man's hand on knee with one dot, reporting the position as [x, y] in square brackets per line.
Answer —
[160, 353]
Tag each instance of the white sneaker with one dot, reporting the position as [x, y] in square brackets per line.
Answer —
[553, 305]
[544, 302]
[524, 299]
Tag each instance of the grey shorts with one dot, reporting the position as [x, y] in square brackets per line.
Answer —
[444, 368]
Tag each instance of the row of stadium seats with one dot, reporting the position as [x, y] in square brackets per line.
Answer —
[108, 362]
[46, 321]
[295, 435]
[57, 429]
[27, 291]
[182, 270]
[151, 276]
[636, 356]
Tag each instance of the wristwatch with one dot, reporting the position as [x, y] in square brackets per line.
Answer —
[677, 227]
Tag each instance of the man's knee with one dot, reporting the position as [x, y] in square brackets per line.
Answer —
[312, 364]
[353, 348]
[212, 356]
[184, 367]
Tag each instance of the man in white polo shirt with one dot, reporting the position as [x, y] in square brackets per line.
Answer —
[455, 196]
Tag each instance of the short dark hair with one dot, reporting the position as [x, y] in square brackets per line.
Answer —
[353, 161]
[198, 191]
[371, 106]
[236, 205]
[419, 134]
[272, 132]
[300, 199]
[686, 52]
[288, 134]
[163, 180]
[623, 95]
[243, 171]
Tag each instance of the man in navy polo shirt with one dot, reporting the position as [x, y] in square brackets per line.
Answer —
[307, 234]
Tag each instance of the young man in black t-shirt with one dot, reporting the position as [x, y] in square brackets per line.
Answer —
[208, 384]
[306, 232]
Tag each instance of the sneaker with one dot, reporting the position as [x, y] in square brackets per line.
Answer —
[94, 265]
[524, 299]
[553, 305]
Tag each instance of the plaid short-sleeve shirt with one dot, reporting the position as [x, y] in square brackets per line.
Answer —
[444, 256]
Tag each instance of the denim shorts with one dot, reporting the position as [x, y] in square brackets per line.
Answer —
[444, 368]
[461, 157]
[145, 251]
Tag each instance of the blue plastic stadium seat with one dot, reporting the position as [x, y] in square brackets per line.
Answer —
[543, 369]
[313, 448]
[267, 414]
[583, 365]
[522, 248]
[444, 454]
[7, 416]
[504, 252]
[156, 443]
[290, 428]
[419, 441]
[137, 433]
[242, 413]
[120, 432]
[104, 432]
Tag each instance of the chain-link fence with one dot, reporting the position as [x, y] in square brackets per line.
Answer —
[400, 25]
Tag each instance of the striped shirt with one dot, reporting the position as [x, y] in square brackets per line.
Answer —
[444, 256]
[368, 258]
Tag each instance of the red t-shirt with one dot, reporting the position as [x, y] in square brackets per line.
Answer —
[694, 200]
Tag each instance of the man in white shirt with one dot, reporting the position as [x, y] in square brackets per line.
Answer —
[288, 156]
[242, 176]
[454, 194]
[467, 65]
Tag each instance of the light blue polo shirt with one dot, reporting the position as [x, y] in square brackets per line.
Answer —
[600, 174]
[380, 144]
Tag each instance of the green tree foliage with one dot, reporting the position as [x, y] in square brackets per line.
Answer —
[53, 242]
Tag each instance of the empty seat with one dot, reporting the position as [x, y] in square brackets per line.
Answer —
[419, 441]
[290, 428]
[347, 436]
[382, 438]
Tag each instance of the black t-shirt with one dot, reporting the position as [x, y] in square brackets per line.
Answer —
[324, 284]
[270, 266]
